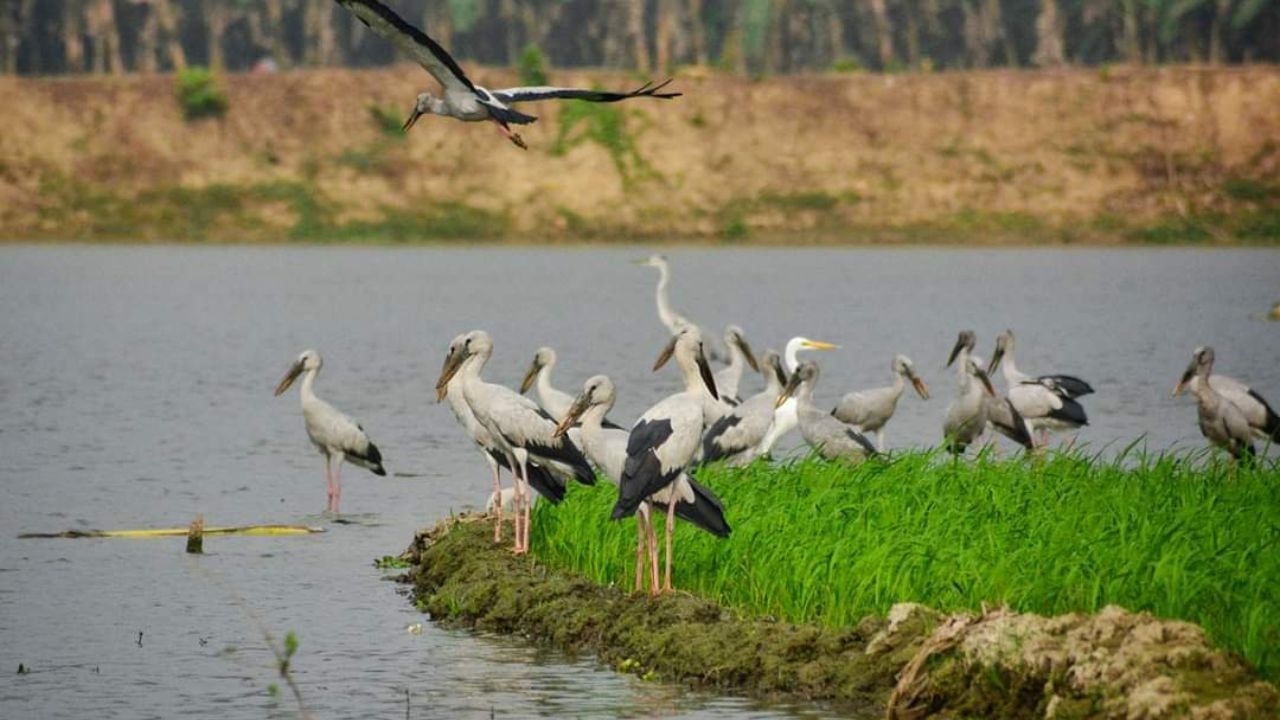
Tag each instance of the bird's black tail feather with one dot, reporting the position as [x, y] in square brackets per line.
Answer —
[1271, 426]
[546, 483]
[371, 460]
[705, 511]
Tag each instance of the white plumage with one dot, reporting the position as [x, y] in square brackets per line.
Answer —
[784, 416]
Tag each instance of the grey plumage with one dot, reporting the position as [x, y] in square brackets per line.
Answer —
[1046, 402]
[736, 437]
[740, 356]
[829, 437]
[870, 410]
[1222, 422]
[967, 414]
[1261, 418]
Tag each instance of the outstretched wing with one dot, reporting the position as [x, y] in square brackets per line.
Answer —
[530, 94]
[411, 41]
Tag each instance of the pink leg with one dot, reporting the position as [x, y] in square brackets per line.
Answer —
[513, 137]
[641, 544]
[528, 516]
[337, 486]
[519, 547]
[497, 493]
[328, 485]
[671, 527]
[652, 540]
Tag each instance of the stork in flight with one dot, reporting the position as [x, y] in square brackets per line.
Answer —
[463, 99]
[335, 435]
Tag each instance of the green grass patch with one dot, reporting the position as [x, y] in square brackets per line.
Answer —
[606, 125]
[200, 95]
[1180, 536]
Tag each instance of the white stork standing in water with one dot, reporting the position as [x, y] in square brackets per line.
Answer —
[524, 431]
[1224, 422]
[1046, 402]
[335, 435]
[870, 410]
[461, 98]
[1261, 418]
[607, 448]
[662, 443]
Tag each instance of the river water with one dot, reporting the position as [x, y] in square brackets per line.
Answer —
[135, 391]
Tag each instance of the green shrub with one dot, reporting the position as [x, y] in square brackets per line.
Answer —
[533, 66]
[200, 95]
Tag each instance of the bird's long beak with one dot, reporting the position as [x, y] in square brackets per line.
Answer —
[986, 381]
[921, 389]
[789, 389]
[413, 118]
[529, 376]
[642, 262]
[666, 353]
[746, 351]
[451, 365]
[955, 351]
[294, 371]
[819, 345]
[996, 356]
[708, 378]
[780, 373]
[1186, 378]
[578, 407]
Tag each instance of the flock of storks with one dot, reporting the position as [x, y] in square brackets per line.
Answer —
[544, 444]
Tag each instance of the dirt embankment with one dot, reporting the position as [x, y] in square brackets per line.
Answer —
[914, 663]
[1157, 155]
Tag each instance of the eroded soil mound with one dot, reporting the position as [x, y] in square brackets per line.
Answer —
[914, 663]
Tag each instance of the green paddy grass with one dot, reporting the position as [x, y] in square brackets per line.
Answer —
[1182, 536]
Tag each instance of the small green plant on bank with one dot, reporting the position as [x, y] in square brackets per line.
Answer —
[200, 95]
[606, 125]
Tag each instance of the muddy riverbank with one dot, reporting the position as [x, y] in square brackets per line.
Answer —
[912, 663]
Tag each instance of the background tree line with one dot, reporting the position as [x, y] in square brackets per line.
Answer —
[745, 36]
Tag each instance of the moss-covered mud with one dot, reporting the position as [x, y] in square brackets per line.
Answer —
[914, 663]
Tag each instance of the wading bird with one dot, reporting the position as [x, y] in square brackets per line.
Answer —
[663, 442]
[672, 320]
[740, 355]
[967, 414]
[555, 402]
[735, 438]
[461, 98]
[1262, 419]
[870, 410]
[829, 437]
[1221, 420]
[335, 435]
[524, 431]
[607, 449]
[493, 452]
[1047, 402]
[784, 416]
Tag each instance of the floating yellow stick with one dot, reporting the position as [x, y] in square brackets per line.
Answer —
[252, 530]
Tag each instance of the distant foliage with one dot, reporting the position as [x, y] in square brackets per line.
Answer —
[387, 119]
[200, 95]
[533, 66]
[606, 125]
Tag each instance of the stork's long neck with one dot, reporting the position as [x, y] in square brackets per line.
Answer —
[736, 358]
[1009, 367]
[593, 418]
[962, 367]
[544, 379]
[899, 384]
[665, 313]
[772, 384]
[307, 391]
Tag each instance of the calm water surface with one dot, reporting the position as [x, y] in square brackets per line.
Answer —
[135, 385]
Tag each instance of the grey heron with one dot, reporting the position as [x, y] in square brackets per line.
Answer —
[335, 435]
[607, 449]
[494, 453]
[829, 437]
[1222, 422]
[461, 98]
[1262, 419]
[967, 414]
[524, 431]
[729, 377]
[871, 409]
[736, 437]
[672, 320]
[663, 442]
[784, 416]
[1047, 402]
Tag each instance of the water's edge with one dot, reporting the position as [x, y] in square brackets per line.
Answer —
[914, 662]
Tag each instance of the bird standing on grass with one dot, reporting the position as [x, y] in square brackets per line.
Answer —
[870, 410]
[1261, 418]
[607, 449]
[829, 437]
[967, 414]
[523, 431]
[784, 415]
[463, 99]
[735, 438]
[1221, 421]
[662, 443]
[335, 435]
[1046, 402]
